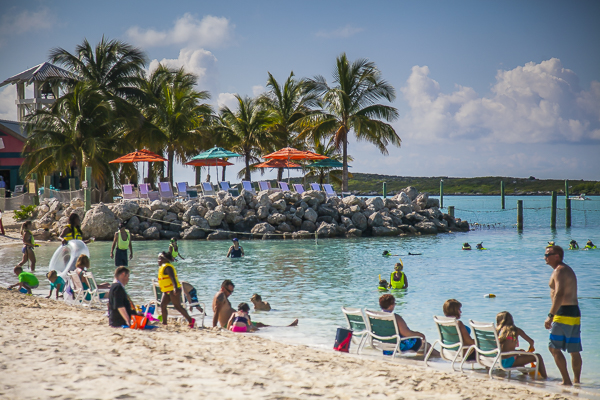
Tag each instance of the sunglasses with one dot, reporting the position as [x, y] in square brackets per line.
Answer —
[549, 254]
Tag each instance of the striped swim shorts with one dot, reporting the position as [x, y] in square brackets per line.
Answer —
[565, 333]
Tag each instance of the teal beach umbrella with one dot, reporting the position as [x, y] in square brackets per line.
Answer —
[214, 154]
[327, 163]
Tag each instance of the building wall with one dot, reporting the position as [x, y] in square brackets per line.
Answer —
[11, 160]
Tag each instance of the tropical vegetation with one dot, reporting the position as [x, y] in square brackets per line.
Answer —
[115, 106]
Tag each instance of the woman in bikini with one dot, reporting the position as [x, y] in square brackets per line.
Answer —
[28, 246]
[508, 334]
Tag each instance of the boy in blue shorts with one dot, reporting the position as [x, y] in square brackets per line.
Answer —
[27, 281]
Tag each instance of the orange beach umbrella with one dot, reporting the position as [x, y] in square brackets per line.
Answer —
[209, 163]
[289, 153]
[275, 163]
[138, 156]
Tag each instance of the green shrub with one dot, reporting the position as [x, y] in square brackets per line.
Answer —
[24, 213]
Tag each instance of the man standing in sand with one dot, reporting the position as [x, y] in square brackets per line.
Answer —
[564, 318]
[221, 306]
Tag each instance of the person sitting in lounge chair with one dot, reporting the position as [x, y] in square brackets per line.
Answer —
[453, 308]
[191, 295]
[387, 302]
[259, 304]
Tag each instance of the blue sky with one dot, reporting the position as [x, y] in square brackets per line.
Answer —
[483, 88]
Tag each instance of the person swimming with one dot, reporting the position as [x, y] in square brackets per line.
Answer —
[383, 285]
[573, 245]
[466, 246]
[551, 243]
[235, 251]
[589, 245]
[479, 246]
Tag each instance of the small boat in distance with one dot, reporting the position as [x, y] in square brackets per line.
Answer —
[582, 196]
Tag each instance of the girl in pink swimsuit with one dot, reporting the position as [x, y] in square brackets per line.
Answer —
[240, 320]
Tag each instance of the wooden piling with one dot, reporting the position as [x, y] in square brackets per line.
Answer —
[72, 187]
[198, 175]
[568, 213]
[502, 203]
[441, 193]
[384, 189]
[519, 214]
[47, 181]
[88, 189]
[553, 212]
[451, 211]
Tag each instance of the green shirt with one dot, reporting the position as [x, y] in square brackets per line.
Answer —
[28, 278]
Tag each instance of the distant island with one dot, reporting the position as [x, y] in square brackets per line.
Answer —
[371, 184]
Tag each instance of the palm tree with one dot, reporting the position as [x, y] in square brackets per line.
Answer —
[287, 104]
[245, 131]
[350, 105]
[321, 173]
[174, 109]
[79, 130]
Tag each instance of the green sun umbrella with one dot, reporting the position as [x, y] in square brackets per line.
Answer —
[327, 163]
[214, 154]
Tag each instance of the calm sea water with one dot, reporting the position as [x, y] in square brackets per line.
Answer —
[311, 281]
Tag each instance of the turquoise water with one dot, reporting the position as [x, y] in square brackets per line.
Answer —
[311, 282]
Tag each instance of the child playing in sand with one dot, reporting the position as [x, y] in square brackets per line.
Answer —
[508, 334]
[27, 281]
[240, 320]
[56, 282]
[28, 246]
[260, 305]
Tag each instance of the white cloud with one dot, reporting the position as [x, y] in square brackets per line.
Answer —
[258, 90]
[227, 100]
[17, 23]
[200, 62]
[534, 103]
[344, 32]
[8, 108]
[188, 30]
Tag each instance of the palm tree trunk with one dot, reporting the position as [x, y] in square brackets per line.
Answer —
[170, 171]
[223, 177]
[345, 162]
[247, 157]
[279, 174]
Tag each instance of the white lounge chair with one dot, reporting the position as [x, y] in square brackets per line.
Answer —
[247, 186]
[262, 185]
[129, 193]
[225, 186]
[384, 333]
[79, 293]
[452, 345]
[356, 323]
[208, 189]
[182, 190]
[329, 192]
[488, 353]
[315, 186]
[165, 191]
[284, 186]
[298, 188]
[97, 297]
[146, 194]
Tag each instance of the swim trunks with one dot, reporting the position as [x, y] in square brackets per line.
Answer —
[194, 295]
[508, 362]
[410, 344]
[565, 333]
[121, 259]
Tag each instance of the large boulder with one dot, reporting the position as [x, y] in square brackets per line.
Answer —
[209, 202]
[284, 227]
[276, 196]
[45, 222]
[431, 203]
[262, 228]
[193, 232]
[421, 200]
[239, 202]
[375, 220]
[189, 213]
[316, 194]
[218, 235]
[308, 226]
[352, 201]
[311, 215]
[360, 221]
[402, 198]
[389, 203]
[158, 215]
[327, 210]
[276, 219]
[144, 211]
[375, 203]
[405, 209]
[327, 230]
[302, 235]
[100, 222]
[279, 205]
[168, 234]
[159, 205]
[262, 212]
[125, 209]
[411, 192]
[263, 198]
[200, 222]
[385, 231]
[353, 232]
[214, 218]
[426, 227]
[170, 217]
[133, 224]
[151, 233]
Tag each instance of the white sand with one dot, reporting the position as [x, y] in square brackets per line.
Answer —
[52, 350]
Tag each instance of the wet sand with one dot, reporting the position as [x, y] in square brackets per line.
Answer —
[53, 350]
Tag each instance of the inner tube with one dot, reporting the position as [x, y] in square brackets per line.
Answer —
[65, 257]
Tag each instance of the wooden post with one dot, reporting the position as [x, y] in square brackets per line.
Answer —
[451, 211]
[520, 214]
[72, 184]
[553, 212]
[88, 190]
[566, 190]
[32, 188]
[441, 193]
[568, 213]
[47, 181]
[384, 189]
[198, 175]
[502, 195]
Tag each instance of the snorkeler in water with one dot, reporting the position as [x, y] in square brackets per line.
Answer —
[466, 246]
[573, 245]
[589, 245]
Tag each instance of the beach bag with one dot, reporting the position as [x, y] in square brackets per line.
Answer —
[138, 322]
[342, 340]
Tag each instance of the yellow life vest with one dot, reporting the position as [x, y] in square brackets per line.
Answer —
[397, 284]
[74, 234]
[174, 253]
[164, 281]
[587, 246]
[123, 244]
[31, 239]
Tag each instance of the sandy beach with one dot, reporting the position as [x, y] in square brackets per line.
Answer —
[53, 350]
